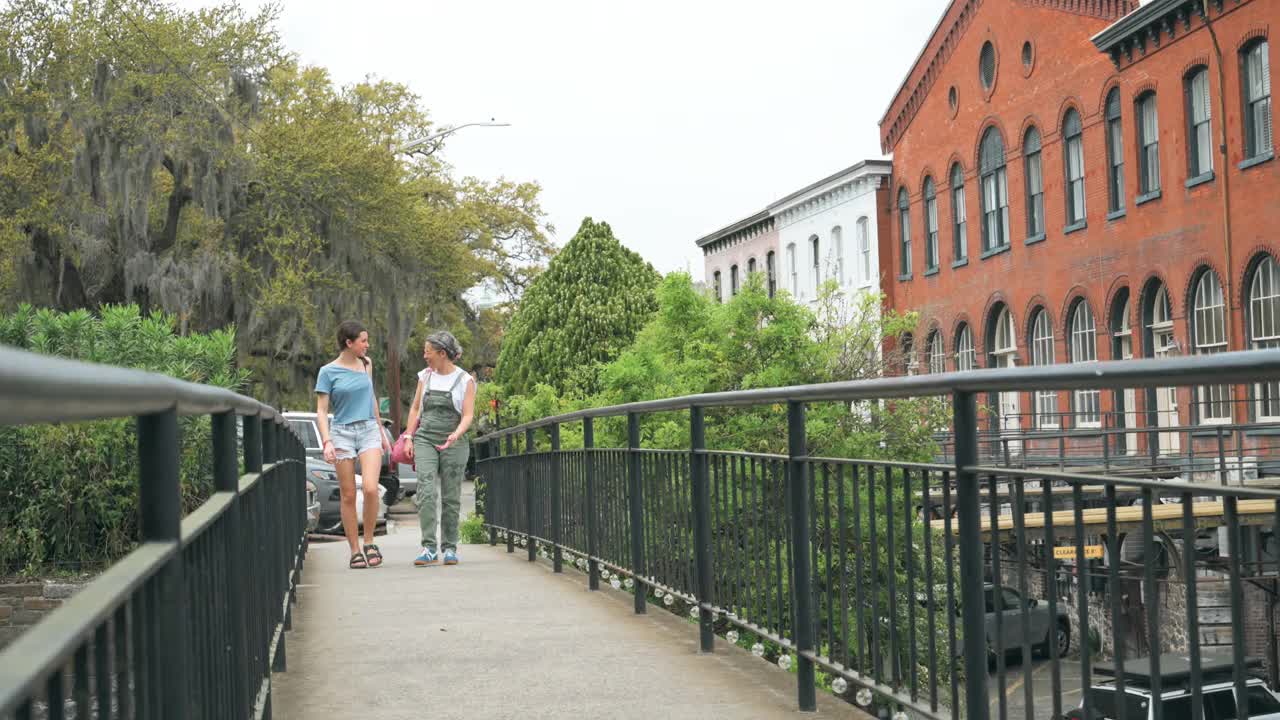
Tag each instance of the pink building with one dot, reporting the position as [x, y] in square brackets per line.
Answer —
[732, 253]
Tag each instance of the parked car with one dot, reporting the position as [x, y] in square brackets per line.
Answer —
[1010, 607]
[313, 506]
[329, 514]
[304, 423]
[1173, 683]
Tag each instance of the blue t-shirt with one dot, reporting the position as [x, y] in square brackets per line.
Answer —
[350, 393]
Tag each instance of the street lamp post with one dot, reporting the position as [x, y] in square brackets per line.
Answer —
[393, 350]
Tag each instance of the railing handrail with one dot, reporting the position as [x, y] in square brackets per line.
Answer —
[267, 490]
[37, 388]
[1243, 366]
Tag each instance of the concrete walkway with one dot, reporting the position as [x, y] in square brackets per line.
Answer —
[499, 637]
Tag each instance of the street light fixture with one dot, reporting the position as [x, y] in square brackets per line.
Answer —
[412, 146]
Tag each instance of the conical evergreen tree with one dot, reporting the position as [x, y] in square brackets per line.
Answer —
[583, 311]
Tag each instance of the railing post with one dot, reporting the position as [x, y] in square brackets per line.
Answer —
[509, 490]
[637, 508]
[226, 478]
[556, 519]
[802, 589]
[160, 520]
[269, 442]
[490, 489]
[701, 525]
[528, 496]
[252, 444]
[589, 470]
[970, 549]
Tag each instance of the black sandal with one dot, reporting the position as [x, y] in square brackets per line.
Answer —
[358, 558]
[372, 553]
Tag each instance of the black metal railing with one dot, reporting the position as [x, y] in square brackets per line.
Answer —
[1151, 442]
[191, 623]
[904, 585]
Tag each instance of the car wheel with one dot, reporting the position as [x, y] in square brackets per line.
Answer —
[1064, 638]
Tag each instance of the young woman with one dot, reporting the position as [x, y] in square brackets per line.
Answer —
[345, 388]
[442, 411]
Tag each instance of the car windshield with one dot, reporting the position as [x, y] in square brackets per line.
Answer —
[307, 431]
[1103, 701]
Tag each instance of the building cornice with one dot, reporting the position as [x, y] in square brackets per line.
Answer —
[852, 181]
[1144, 30]
[833, 191]
[745, 229]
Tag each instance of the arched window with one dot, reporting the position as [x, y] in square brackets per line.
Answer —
[1006, 339]
[793, 270]
[959, 226]
[1209, 336]
[1042, 354]
[1256, 85]
[733, 280]
[1002, 349]
[1084, 349]
[904, 228]
[1073, 161]
[864, 247]
[1264, 331]
[715, 286]
[837, 242]
[1126, 403]
[1158, 342]
[995, 192]
[816, 270]
[937, 356]
[1199, 134]
[771, 273]
[1115, 153]
[930, 226]
[966, 358]
[1034, 172]
[751, 266]
[1148, 145]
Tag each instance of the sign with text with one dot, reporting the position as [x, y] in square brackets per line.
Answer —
[1068, 552]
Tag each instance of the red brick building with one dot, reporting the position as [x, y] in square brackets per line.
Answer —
[1060, 195]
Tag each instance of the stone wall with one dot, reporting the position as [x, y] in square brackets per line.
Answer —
[26, 603]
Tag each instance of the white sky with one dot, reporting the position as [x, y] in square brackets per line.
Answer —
[666, 119]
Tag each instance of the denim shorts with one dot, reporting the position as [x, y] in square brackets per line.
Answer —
[353, 439]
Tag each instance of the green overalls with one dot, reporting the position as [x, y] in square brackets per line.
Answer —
[440, 473]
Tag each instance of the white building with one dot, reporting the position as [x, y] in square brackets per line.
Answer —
[829, 230]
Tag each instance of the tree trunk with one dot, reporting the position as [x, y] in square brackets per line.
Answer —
[180, 196]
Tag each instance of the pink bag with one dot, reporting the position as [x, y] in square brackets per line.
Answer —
[400, 451]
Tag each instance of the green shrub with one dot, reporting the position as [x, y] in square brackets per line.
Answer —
[472, 531]
[69, 492]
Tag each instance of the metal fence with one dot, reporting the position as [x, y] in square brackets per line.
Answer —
[910, 587]
[1132, 442]
[191, 623]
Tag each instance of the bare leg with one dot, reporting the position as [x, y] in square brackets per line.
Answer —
[347, 488]
[370, 469]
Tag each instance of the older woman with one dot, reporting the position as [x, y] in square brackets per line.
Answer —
[441, 415]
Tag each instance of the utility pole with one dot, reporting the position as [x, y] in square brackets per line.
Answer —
[393, 366]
